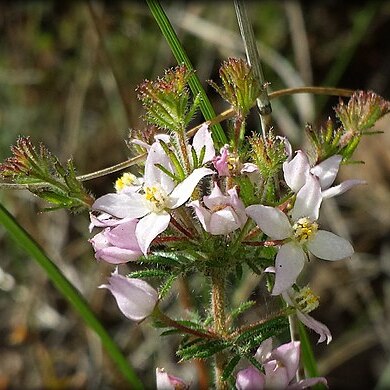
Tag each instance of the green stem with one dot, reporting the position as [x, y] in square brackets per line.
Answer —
[181, 57]
[65, 287]
[308, 359]
[253, 59]
[218, 307]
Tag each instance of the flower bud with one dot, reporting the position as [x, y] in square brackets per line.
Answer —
[169, 382]
[136, 299]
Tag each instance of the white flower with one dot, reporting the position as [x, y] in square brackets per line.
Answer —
[299, 233]
[160, 195]
[297, 170]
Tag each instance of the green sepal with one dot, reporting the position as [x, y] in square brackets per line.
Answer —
[175, 161]
[194, 158]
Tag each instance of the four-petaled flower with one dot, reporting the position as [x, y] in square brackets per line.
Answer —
[299, 234]
[158, 197]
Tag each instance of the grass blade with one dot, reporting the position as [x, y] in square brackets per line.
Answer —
[181, 57]
[63, 285]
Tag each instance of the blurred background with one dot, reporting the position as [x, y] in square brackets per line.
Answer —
[68, 73]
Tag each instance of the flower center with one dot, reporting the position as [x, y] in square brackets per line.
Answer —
[156, 198]
[304, 229]
[306, 300]
[126, 180]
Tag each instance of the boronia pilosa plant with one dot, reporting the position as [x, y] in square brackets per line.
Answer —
[202, 207]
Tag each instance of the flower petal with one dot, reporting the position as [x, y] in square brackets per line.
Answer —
[341, 188]
[153, 174]
[326, 171]
[296, 171]
[149, 227]
[122, 205]
[308, 200]
[216, 198]
[328, 246]
[223, 221]
[289, 263]
[201, 139]
[221, 162]
[317, 326]
[183, 190]
[276, 376]
[135, 298]
[123, 235]
[115, 255]
[273, 222]
[288, 355]
[238, 206]
[202, 213]
[250, 378]
[309, 382]
[165, 381]
[263, 353]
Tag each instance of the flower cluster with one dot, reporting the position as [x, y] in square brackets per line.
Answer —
[215, 207]
[209, 208]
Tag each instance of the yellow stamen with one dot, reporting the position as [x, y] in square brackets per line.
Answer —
[127, 179]
[156, 198]
[304, 229]
[307, 301]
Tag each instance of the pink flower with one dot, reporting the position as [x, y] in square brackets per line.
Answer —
[165, 381]
[221, 162]
[280, 367]
[136, 299]
[117, 244]
[299, 233]
[222, 214]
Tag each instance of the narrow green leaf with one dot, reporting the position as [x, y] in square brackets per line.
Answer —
[172, 331]
[308, 359]
[191, 325]
[240, 309]
[149, 273]
[166, 286]
[70, 293]
[230, 366]
[203, 350]
[263, 331]
[181, 57]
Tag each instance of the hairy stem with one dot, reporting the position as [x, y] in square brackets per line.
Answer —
[218, 307]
